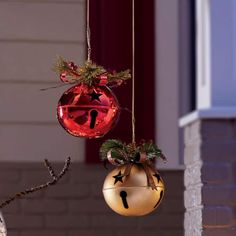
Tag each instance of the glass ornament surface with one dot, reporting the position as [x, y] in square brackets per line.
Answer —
[88, 111]
[3, 229]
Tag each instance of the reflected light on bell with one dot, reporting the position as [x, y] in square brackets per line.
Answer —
[60, 112]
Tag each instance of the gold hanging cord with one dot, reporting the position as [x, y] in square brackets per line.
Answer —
[133, 59]
[133, 72]
[88, 34]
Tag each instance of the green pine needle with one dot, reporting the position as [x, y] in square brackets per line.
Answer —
[112, 144]
[89, 73]
[122, 151]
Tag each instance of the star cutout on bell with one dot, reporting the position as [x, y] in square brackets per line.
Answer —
[95, 96]
[118, 178]
[158, 177]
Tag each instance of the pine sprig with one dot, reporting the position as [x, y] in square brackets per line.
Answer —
[111, 145]
[129, 152]
[119, 77]
[151, 150]
[89, 73]
[62, 66]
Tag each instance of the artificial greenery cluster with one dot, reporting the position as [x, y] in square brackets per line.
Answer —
[89, 73]
[125, 153]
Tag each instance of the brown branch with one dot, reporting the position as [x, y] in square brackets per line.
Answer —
[55, 179]
[53, 87]
[50, 169]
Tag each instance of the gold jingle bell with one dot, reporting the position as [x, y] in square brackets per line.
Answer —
[131, 195]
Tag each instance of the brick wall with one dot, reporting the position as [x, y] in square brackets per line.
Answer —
[210, 179]
[76, 206]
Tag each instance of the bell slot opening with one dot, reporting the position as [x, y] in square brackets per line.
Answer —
[93, 115]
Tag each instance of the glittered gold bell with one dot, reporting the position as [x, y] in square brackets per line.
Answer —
[131, 195]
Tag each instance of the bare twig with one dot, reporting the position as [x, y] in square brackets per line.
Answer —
[55, 179]
[50, 169]
[53, 87]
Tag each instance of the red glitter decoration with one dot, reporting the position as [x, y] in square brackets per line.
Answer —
[63, 77]
[103, 80]
[88, 111]
[73, 66]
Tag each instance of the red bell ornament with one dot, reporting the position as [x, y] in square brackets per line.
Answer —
[88, 111]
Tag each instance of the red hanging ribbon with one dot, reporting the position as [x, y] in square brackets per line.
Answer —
[103, 80]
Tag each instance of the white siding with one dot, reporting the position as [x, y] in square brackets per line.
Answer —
[32, 34]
